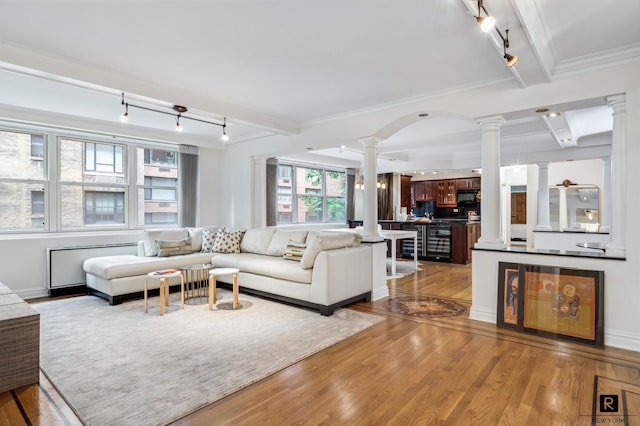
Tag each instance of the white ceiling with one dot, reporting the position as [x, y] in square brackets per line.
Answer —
[273, 66]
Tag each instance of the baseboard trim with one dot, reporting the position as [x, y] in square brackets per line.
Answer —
[482, 315]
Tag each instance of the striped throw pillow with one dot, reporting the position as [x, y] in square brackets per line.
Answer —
[294, 251]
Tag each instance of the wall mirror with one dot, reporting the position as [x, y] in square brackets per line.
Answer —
[574, 208]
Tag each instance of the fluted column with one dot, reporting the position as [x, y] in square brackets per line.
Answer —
[605, 207]
[490, 187]
[617, 246]
[370, 214]
[544, 219]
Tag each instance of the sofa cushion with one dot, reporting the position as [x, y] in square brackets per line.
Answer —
[275, 267]
[195, 234]
[151, 235]
[327, 241]
[119, 266]
[227, 241]
[167, 248]
[281, 238]
[256, 240]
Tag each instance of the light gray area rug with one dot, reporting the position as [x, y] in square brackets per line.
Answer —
[118, 365]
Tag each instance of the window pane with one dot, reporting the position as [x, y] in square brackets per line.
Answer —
[309, 209]
[157, 157]
[284, 209]
[308, 181]
[37, 147]
[336, 183]
[336, 210]
[18, 209]
[16, 159]
[159, 165]
[90, 162]
[153, 210]
[84, 206]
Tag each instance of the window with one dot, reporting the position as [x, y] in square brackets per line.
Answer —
[104, 158]
[22, 181]
[95, 184]
[310, 195]
[157, 183]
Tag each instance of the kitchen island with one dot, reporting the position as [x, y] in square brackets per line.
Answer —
[442, 240]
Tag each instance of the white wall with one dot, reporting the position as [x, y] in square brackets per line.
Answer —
[23, 258]
[583, 172]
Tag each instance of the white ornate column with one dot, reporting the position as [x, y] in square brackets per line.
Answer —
[605, 207]
[370, 213]
[259, 192]
[617, 246]
[562, 208]
[544, 219]
[490, 187]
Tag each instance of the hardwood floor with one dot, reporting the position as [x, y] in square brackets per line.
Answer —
[409, 370]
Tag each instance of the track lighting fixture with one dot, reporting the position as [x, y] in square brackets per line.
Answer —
[179, 110]
[487, 23]
[512, 60]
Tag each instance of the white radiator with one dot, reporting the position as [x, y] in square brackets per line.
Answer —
[64, 264]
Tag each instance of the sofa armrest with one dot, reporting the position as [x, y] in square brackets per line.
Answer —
[340, 274]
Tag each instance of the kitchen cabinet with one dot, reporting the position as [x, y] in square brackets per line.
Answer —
[446, 195]
[424, 190]
[463, 238]
[419, 191]
[468, 183]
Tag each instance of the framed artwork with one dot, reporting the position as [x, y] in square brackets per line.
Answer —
[564, 303]
[508, 292]
[552, 301]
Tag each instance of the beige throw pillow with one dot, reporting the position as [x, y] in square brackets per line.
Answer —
[168, 248]
[151, 235]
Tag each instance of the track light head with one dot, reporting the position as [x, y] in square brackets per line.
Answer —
[225, 137]
[512, 60]
[487, 23]
[178, 125]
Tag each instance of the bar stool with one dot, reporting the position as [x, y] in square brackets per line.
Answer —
[216, 272]
[164, 277]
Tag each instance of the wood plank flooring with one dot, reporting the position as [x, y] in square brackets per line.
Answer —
[409, 370]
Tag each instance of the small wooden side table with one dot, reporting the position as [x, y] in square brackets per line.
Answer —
[164, 277]
[213, 273]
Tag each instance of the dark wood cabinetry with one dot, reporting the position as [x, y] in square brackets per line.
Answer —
[463, 237]
[443, 192]
[468, 183]
[446, 196]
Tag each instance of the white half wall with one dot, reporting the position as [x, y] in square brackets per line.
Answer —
[621, 318]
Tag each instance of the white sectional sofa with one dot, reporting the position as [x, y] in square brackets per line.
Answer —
[333, 270]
